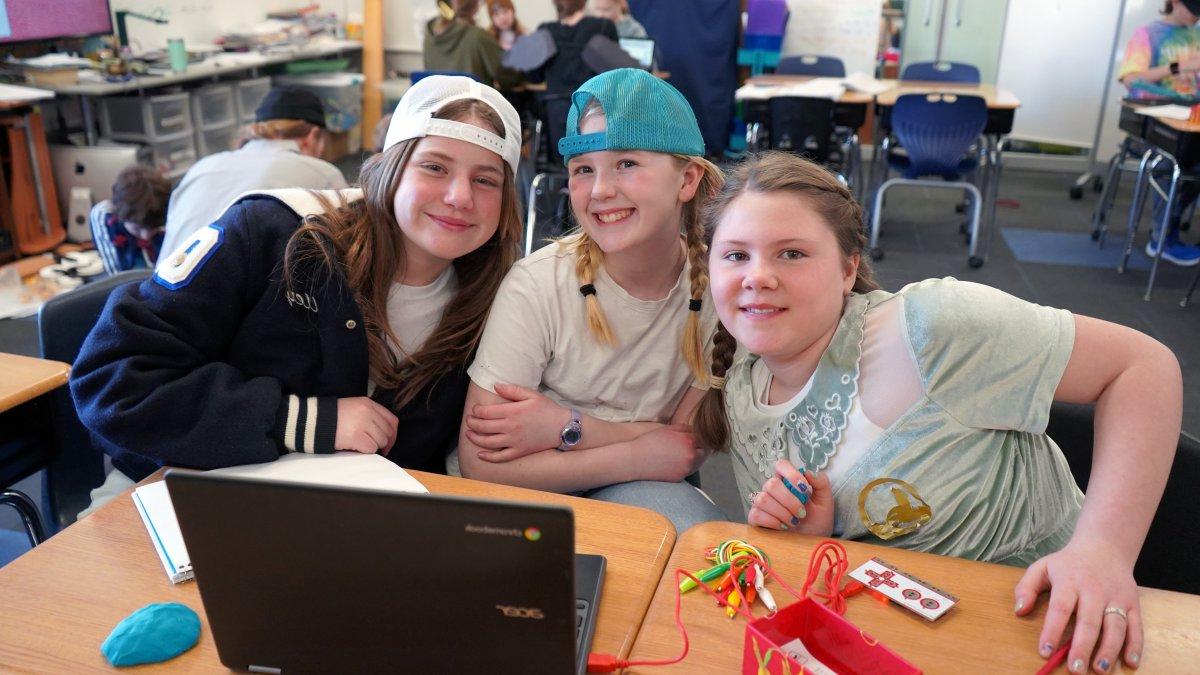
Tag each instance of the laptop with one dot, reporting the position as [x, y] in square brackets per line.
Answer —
[297, 578]
[641, 49]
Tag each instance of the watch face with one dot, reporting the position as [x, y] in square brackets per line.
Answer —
[571, 436]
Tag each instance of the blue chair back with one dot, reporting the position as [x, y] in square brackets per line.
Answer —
[811, 64]
[419, 75]
[941, 71]
[937, 130]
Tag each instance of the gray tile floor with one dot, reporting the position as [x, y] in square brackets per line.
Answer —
[921, 240]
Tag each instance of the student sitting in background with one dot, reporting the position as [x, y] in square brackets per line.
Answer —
[617, 11]
[454, 43]
[505, 26]
[917, 419]
[1163, 59]
[566, 71]
[284, 150]
[306, 321]
[128, 229]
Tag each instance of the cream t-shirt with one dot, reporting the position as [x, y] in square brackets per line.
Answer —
[414, 311]
[537, 337]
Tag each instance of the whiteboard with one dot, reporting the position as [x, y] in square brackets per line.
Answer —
[405, 20]
[199, 22]
[847, 29]
[1055, 58]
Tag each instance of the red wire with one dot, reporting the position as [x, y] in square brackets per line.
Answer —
[827, 551]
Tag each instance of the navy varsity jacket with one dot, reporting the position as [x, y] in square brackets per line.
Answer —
[213, 362]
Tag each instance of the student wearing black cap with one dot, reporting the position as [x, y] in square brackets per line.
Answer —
[283, 150]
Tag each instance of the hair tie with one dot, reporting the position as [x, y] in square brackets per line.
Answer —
[694, 305]
[717, 383]
[587, 289]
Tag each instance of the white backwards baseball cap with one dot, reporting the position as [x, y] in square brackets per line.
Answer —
[414, 116]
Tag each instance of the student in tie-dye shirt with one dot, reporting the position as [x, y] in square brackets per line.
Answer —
[1163, 59]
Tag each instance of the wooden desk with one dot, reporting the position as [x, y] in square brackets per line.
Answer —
[980, 634]
[23, 378]
[62, 599]
[996, 98]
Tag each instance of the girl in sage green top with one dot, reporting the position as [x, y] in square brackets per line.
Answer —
[917, 419]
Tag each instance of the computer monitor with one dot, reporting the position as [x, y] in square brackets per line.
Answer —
[641, 49]
[94, 167]
[25, 20]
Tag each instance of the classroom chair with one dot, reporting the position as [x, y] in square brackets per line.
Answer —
[548, 203]
[941, 71]
[1168, 558]
[937, 132]
[19, 459]
[813, 65]
[76, 466]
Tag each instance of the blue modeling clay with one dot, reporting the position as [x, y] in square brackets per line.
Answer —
[154, 633]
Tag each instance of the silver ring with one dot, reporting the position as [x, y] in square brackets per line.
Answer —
[1118, 611]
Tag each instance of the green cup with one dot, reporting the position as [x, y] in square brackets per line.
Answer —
[177, 53]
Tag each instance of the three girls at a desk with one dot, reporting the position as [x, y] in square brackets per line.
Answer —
[606, 365]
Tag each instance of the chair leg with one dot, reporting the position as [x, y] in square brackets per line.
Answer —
[976, 201]
[535, 187]
[1140, 187]
[1108, 195]
[28, 512]
[1162, 229]
[876, 220]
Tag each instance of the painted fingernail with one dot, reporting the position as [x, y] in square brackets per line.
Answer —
[802, 513]
[1077, 666]
[795, 520]
[1103, 665]
[783, 526]
[1133, 658]
[1020, 606]
[1046, 650]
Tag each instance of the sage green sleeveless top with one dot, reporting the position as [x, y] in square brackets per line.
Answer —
[967, 470]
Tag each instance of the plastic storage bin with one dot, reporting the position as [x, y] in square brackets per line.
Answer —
[173, 157]
[340, 93]
[213, 107]
[147, 119]
[250, 93]
[209, 141]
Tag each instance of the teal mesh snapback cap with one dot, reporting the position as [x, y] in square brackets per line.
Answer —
[643, 113]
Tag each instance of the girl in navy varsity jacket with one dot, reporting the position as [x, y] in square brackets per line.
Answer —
[315, 322]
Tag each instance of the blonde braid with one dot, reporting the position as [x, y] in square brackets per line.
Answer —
[697, 252]
[588, 258]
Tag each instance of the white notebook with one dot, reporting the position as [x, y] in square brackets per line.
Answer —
[342, 469]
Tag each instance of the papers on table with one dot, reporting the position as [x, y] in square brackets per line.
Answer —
[819, 87]
[866, 84]
[1170, 112]
[345, 469]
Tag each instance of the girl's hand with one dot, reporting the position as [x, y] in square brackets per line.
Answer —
[780, 507]
[364, 426]
[669, 453]
[1084, 582]
[528, 422]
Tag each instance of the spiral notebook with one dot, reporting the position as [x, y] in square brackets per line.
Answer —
[343, 469]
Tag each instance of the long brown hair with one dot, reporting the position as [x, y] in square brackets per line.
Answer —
[364, 242]
[492, 5]
[455, 10]
[821, 191]
[588, 258]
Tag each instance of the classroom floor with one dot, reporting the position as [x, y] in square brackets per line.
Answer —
[1042, 253]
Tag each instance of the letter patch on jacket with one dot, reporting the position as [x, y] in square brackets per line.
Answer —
[178, 269]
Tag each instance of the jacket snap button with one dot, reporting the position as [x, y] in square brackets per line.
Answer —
[351, 324]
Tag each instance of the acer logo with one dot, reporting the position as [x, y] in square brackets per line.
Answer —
[521, 612]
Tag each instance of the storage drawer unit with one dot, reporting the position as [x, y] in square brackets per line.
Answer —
[250, 93]
[209, 141]
[147, 119]
[213, 107]
[174, 156]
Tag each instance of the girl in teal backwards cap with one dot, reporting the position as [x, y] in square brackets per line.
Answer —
[593, 358]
